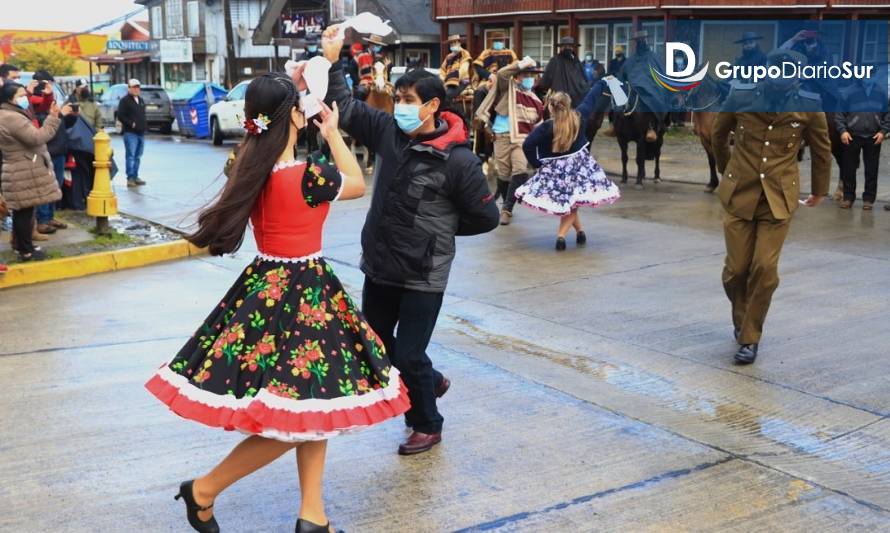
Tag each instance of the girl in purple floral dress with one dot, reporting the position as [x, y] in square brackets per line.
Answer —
[568, 176]
[285, 357]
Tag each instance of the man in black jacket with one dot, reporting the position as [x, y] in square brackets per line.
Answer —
[862, 128]
[131, 114]
[430, 187]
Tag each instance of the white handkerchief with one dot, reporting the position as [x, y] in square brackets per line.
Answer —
[365, 23]
[315, 74]
[618, 94]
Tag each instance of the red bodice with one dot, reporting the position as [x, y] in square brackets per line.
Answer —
[284, 224]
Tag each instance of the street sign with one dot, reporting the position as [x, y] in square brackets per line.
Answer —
[299, 26]
[128, 46]
[176, 51]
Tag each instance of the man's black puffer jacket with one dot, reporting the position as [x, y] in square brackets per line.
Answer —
[428, 190]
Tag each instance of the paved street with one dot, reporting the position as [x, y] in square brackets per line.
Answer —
[593, 390]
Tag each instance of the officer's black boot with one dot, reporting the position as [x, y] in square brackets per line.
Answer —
[747, 354]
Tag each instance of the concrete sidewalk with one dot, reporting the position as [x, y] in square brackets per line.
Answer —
[593, 389]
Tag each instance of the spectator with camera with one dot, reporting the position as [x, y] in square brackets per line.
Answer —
[42, 99]
[28, 179]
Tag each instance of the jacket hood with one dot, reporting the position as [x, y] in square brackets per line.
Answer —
[455, 133]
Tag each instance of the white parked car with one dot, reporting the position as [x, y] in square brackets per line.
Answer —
[226, 116]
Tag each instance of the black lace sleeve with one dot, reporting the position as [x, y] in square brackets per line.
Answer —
[321, 181]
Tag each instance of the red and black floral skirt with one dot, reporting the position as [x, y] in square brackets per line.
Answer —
[285, 355]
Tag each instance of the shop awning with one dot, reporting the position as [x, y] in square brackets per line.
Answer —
[117, 59]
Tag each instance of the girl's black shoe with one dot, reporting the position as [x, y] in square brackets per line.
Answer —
[305, 526]
[186, 492]
[581, 238]
[560, 244]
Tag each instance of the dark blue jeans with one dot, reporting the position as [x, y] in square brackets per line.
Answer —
[134, 143]
[47, 212]
[414, 314]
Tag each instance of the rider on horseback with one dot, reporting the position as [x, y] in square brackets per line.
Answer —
[455, 69]
[636, 72]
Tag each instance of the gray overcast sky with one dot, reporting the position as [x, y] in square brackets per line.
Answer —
[65, 15]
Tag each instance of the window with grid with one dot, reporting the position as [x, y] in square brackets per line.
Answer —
[621, 37]
[157, 22]
[537, 43]
[194, 22]
[656, 36]
[872, 36]
[173, 11]
[595, 41]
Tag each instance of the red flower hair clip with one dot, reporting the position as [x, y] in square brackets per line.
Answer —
[256, 126]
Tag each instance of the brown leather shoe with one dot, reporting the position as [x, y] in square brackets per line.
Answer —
[37, 236]
[443, 387]
[58, 224]
[419, 442]
[46, 229]
[506, 217]
[845, 204]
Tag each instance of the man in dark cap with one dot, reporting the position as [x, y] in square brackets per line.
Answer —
[311, 48]
[564, 72]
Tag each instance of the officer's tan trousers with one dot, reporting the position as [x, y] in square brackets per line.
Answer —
[751, 271]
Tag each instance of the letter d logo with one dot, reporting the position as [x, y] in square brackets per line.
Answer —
[670, 49]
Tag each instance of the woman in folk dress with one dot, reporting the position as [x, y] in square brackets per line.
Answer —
[568, 177]
[285, 357]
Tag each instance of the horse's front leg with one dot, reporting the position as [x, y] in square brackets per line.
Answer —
[624, 158]
[641, 162]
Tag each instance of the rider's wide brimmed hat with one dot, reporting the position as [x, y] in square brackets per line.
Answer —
[497, 36]
[748, 36]
[568, 41]
[376, 39]
[455, 37]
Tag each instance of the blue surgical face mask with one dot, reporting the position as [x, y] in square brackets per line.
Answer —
[455, 48]
[22, 101]
[407, 117]
[312, 48]
[498, 45]
[376, 48]
[528, 83]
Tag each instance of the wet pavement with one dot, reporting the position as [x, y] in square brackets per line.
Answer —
[593, 389]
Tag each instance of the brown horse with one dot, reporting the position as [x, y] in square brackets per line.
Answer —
[631, 126]
[704, 101]
[381, 99]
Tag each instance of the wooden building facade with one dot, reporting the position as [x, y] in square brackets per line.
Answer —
[535, 26]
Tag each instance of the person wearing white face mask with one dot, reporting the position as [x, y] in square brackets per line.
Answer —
[28, 179]
[429, 188]
[511, 111]
[455, 69]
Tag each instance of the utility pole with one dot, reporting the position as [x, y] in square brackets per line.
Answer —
[230, 45]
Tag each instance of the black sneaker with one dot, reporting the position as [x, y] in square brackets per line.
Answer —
[581, 238]
[36, 255]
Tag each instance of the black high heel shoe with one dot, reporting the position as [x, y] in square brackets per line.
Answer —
[305, 526]
[186, 492]
[560, 244]
[581, 238]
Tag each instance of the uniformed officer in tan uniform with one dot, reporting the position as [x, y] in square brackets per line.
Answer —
[760, 191]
